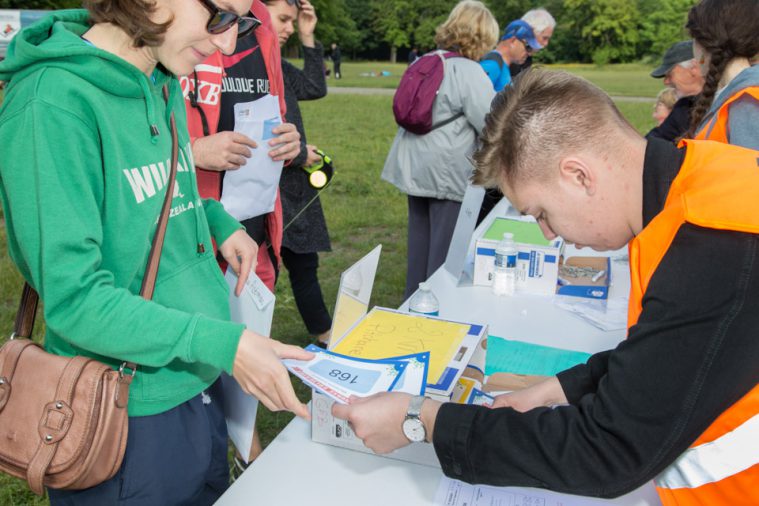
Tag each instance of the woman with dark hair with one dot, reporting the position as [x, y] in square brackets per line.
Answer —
[306, 229]
[725, 40]
[86, 141]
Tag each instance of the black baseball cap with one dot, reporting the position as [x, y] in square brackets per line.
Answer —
[677, 53]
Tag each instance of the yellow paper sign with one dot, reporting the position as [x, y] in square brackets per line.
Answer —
[384, 334]
[348, 310]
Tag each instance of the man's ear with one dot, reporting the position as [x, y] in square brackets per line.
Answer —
[577, 173]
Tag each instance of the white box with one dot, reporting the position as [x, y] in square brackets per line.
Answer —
[327, 429]
[537, 260]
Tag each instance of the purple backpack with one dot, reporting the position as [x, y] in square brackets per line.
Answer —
[416, 93]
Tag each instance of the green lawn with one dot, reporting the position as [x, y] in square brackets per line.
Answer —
[362, 211]
[630, 79]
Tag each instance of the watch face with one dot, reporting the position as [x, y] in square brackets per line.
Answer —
[413, 429]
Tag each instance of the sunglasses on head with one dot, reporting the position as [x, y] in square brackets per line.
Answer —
[296, 3]
[222, 20]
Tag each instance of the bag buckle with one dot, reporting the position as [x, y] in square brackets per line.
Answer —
[55, 421]
[5, 391]
[124, 367]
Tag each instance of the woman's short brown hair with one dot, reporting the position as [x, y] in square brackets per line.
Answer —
[132, 16]
[470, 30]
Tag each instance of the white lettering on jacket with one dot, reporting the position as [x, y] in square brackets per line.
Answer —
[147, 180]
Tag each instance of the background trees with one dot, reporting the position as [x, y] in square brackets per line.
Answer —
[600, 31]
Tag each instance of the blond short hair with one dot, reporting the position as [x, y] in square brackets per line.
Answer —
[470, 30]
[667, 97]
[543, 115]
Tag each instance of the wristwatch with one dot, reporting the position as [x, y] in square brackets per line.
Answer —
[413, 428]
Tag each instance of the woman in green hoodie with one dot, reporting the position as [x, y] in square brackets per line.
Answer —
[86, 149]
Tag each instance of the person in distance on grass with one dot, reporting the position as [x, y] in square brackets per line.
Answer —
[677, 402]
[680, 72]
[543, 24]
[665, 101]
[433, 169]
[516, 44]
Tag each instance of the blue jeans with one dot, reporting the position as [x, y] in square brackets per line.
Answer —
[175, 457]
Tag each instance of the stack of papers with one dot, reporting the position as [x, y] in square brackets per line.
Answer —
[389, 333]
[340, 377]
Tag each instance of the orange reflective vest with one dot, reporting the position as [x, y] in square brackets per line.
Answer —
[716, 128]
[717, 187]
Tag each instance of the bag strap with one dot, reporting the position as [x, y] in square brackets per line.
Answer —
[54, 423]
[27, 309]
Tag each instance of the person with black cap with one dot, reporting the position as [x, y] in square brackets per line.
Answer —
[517, 43]
[681, 72]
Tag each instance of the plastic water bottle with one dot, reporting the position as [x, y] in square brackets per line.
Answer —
[424, 301]
[505, 271]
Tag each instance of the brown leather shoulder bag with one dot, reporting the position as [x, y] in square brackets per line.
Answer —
[63, 420]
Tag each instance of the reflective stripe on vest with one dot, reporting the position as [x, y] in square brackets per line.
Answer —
[716, 128]
[734, 452]
[722, 465]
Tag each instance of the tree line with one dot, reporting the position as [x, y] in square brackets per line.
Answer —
[599, 31]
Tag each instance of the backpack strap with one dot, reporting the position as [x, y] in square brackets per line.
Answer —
[446, 56]
[494, 56]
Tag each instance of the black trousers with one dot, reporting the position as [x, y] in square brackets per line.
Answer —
[306, 290]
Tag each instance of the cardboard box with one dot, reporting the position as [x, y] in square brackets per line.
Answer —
[577, 274]
[469, 354]
[332, 431]
[537, 258]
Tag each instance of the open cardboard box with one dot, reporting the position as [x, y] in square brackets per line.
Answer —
[587, 277]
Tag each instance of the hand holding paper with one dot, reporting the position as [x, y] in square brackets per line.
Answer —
[241, 253]
[259, 371]
[287, 142]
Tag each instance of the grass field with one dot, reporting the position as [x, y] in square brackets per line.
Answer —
[362, 211]
[630, 79]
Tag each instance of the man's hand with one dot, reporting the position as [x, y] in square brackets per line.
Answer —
[241, 253]
[287, 142]
[222, 151]
[259, 371]
[545, 393]
[377, 420]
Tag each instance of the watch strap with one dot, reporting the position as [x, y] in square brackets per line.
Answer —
[415, 406]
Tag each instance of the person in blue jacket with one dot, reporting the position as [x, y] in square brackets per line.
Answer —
[517, 43]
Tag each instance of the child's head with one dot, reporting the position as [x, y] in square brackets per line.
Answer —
[665, 101]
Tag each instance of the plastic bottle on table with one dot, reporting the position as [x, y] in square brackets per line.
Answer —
[424, 301]
[505, 271]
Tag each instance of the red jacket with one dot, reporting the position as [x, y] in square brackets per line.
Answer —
[209, 76]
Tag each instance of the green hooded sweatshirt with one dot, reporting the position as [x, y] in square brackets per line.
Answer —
[86, 149]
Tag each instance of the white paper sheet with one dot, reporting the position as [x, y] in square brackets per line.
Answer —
[607, 315]
[457, 493]
[341, 377]
[254, 308]
[251, 190]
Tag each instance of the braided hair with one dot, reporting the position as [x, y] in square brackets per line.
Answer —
[726, 29]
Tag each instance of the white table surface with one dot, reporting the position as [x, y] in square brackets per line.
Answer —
[293, 470]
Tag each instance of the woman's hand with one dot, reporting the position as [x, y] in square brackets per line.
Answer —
[222, 151]
[259, 371]
[287, 142]
[312, 156]
[307, 23]
[545, 393]
[241, 253]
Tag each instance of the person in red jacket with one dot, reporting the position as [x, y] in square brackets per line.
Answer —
[211, 93]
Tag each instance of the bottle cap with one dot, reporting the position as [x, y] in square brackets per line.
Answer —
[424, 287]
